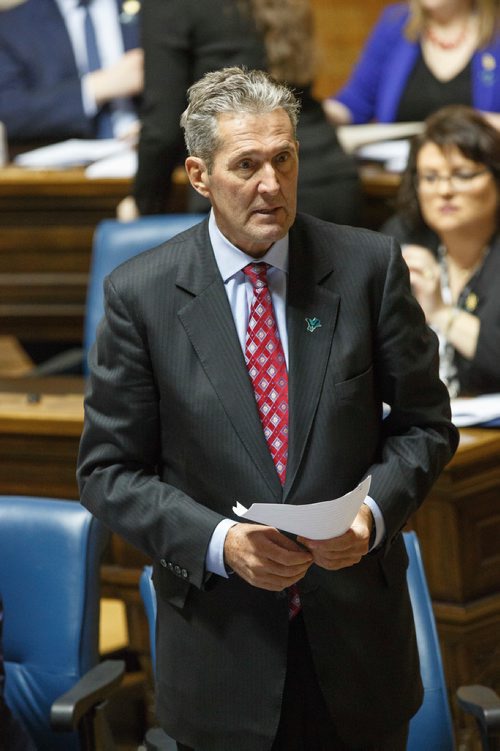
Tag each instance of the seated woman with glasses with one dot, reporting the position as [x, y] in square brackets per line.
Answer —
[448, 226]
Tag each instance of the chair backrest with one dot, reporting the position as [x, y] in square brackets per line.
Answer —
[431, 727]
[116, 242]
[50, 552]
[148, 595]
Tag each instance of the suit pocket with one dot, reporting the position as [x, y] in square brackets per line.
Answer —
[360, 386]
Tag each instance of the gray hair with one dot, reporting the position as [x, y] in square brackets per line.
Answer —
[230, 90]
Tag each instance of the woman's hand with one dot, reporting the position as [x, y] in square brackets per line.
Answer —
[424, 278]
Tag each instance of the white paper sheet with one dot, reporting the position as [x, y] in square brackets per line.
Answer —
[475, 411]
[74, 152]
[393, 154]
[352, 137]
[317, 521]
[121, 165]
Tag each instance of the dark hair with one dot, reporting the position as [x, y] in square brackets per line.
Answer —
[288, 30]
[453, 126]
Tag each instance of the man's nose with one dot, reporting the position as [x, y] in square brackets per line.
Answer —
[268, 182]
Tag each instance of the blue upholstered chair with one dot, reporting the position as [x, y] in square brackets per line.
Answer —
[50, 552]
[114, 243]
[433, 720]
[431, 728]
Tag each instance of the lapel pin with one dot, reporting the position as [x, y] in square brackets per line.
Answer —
[313, 324]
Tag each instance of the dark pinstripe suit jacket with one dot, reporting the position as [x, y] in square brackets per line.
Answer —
[172, 438]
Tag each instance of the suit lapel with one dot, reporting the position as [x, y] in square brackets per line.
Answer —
[208, 322]
[311, 314]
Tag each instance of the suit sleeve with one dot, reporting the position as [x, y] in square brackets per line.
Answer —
[362, 91]
[30, 108]
[119, 466]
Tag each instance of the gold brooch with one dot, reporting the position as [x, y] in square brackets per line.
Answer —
[471, 302]
[488, 61]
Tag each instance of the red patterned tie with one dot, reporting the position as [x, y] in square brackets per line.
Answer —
[267, 368]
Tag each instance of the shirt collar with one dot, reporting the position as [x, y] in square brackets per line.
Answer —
[231, 259]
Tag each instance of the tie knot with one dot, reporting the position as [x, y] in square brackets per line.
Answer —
[257, 273]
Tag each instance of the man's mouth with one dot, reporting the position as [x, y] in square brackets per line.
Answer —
[266, 210]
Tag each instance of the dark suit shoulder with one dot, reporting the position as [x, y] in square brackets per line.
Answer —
[340, 240]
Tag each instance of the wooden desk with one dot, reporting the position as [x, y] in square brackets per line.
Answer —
[459, 531]
[47, 221]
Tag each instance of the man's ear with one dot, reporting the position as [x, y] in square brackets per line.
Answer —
[198, 175]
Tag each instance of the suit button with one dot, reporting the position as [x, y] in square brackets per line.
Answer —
[177, 570]
[163, 562]
[184, 573]
[170, 566]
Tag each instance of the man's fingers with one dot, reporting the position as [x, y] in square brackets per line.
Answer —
[345, 550]
[264, 557]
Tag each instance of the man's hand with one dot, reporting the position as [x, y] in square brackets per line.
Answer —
[264, 557]
[346, 550]
[123, 78]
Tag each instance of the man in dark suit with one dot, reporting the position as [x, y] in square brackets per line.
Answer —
[47, 90]
[267, 641]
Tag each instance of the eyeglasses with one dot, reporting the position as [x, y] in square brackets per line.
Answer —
[460, 181]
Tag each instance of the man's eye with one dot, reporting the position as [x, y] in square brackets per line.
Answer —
[283, 157]
[245, 164]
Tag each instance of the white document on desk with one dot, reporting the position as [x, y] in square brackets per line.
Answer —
[392, 154]
[74, 152]
[467, 412]
[121, 165]
[317, 521]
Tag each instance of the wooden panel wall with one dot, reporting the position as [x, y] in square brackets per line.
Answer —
[342, 27]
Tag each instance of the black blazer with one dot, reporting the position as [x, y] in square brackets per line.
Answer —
[172, 438]
[182, 40]
[481, 375]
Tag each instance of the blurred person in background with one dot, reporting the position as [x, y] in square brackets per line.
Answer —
[449, 195]
[182, 40]
[422, 55]
[70, 68]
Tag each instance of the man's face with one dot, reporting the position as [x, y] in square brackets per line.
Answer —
[253, 183]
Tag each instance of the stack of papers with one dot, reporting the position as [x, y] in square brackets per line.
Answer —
[480, 411]
[317, 521]
[392, 154]
[107, 157]
[387, 143]
[352, 137]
